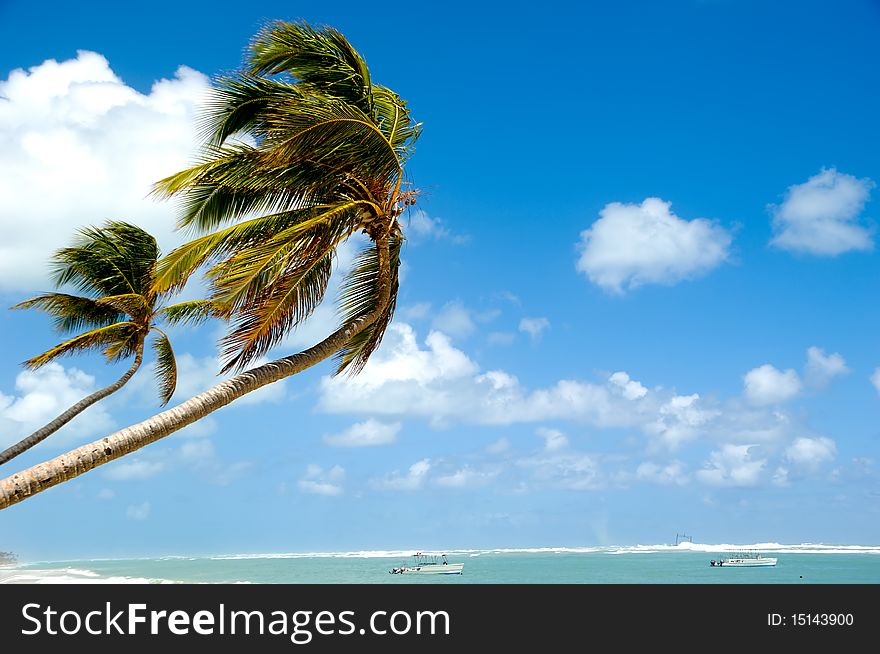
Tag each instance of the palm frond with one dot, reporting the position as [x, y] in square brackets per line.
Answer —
[72, 312]
[193, 312]
[335, 134]
[241, 278]
[133, 304]
[358, 296]
[173, 270]
[117, 336]
[235, 181]
[393, 120]
[288, 301]
[114, 259]
[238, 104]
[319, 57]
[166, 366]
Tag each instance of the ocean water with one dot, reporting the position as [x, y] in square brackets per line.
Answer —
[686, 563]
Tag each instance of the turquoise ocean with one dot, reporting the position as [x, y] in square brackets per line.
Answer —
[687, 563]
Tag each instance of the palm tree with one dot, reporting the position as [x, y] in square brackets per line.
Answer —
[303, 151]
[115, 266]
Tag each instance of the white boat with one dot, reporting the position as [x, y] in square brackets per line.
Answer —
[744, 560]
[428, 564]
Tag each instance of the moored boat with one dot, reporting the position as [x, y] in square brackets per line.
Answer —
[744, 560]
[428, 564]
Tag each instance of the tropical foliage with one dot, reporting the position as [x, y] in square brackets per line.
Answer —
[303, 151]
[114, 268]
[305, 139]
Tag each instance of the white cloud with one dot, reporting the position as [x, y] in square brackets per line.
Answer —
[671, 474]
[318, 481]
[820, 216]
[455, 320]
[680, 419]
[534, 327]
[465, 477]
[811, 452]
[414, 478]
[875, 379]
[365, 434]
[137, 470]
[441, 383]
[423, 227]
[569, 470]
[733, 465]
[632, 390]
[138, 511]
[74, 127]
[768, 385]
[822, 368]
[40, 396]
[631, 245]
[553, 439]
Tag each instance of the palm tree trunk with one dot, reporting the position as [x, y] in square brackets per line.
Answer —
[44, 432]
[22, 485]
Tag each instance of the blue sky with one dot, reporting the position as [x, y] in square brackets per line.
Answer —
[639, 297]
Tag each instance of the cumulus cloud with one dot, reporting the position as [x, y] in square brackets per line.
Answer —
[40, 395]
[138, 511]
[465, 477]
[534, 327]
[424, 227]
[811, 452]
[318, 481]
[553, 439]
[822, 368]
[768, 385]
[733, 465]
[413, 479]
[635, 244]
[441, 383]
[671, 474]
[365, 434]
[76, 128]
[680, 419]
[455, 320]
[631, 389]
[875, 379]
[569, 470]
[820, 216]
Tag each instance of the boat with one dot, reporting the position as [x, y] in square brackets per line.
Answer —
[428, 564]
[7, 558]
[744, 560]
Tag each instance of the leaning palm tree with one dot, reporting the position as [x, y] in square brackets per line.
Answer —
[303, 151]
[115, 267]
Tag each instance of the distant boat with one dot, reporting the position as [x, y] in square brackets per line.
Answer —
[428, 564]
[7, 558]
[744, 560]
